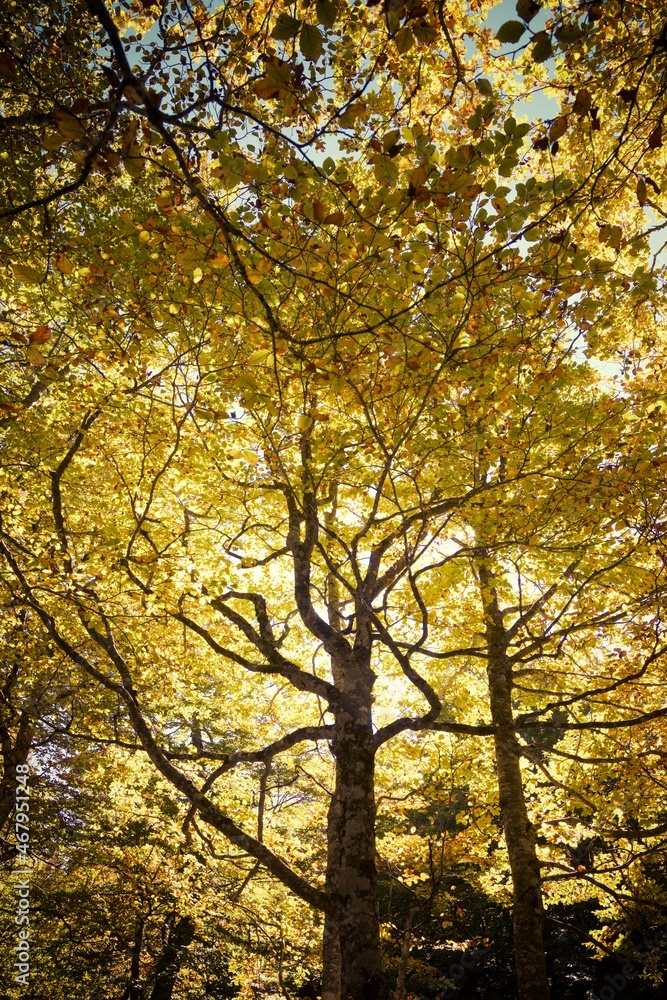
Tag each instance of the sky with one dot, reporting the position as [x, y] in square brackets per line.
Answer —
[540, 107]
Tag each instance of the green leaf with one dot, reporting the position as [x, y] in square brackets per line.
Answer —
[527, 9]
[134, 165]
[390, 138]
[484, 86]
[510, 31]
[285, 27]
[393, 17]
[567, 34]
[404, 39]
[327, 12]
[558, 128]
[310, 42]
[543, 49]
[425, 32]
[350, 115]
[386, 171]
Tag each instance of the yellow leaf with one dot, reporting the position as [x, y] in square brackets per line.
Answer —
[419, 176]
[265, 89]
[129, 145]
[27, 274]
[69, 127]
[470, 191]
[258, 357]
[35, 356]
[275, 83]
[350, 115]
[386, 171]
[64, 264]
[642, 195]
[165, 203]
[52, 142]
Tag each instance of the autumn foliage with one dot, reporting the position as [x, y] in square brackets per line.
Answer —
[332, 544]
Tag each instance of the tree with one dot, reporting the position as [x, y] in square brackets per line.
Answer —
[302, 470]
[341, 425]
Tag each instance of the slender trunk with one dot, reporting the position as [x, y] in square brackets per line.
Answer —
[331, 966]
[528, 910]
[399, 992]
[134, 991]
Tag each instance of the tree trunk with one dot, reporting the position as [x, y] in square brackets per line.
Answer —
[331, 940]
[359, 924]
[13, 754]
[528, 910]
[134, 991]
[399, 992]
[171, 959]
[330, 960]
[352, 836]
[351, 951]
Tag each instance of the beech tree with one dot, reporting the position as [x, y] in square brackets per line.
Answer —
[336, 508]
[328, 425]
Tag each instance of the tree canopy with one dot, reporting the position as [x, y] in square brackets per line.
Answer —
[332, 541]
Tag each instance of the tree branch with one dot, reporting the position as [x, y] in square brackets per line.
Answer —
[211, 813]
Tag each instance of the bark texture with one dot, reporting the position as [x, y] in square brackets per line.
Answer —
[358, 922]
[353, 869]
[331, 967]
[520, 836]
[13, 753]
[352, 952]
